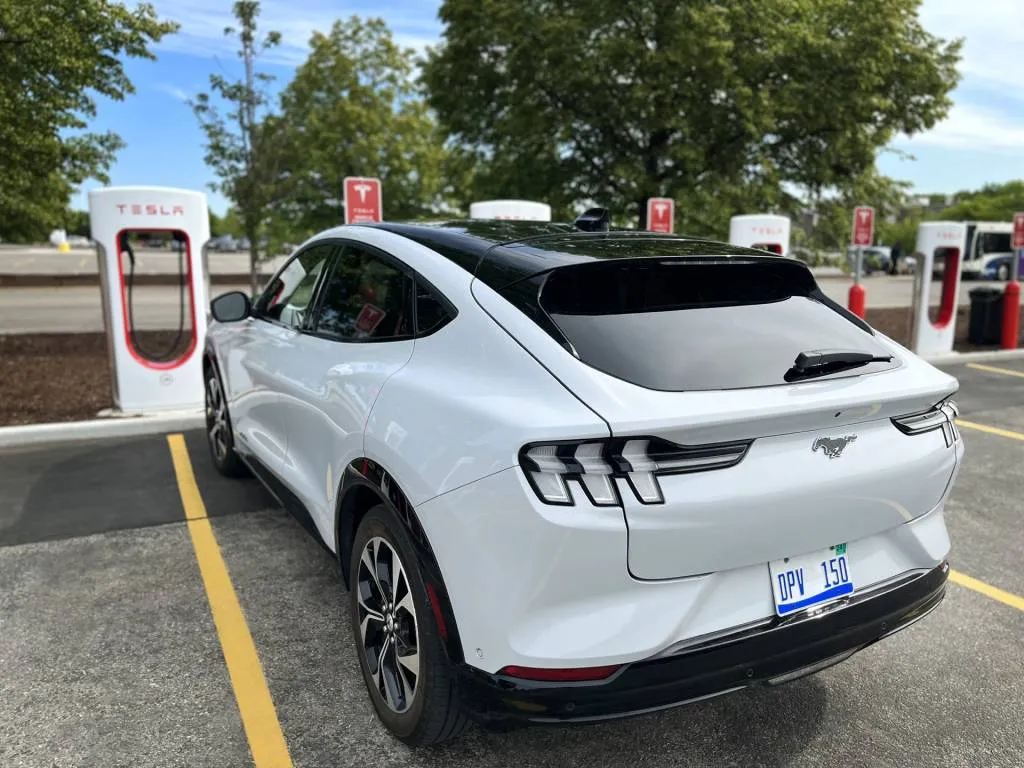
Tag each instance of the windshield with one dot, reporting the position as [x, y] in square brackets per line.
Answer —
[994, 242]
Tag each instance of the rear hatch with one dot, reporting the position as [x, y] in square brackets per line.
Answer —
[724, 454]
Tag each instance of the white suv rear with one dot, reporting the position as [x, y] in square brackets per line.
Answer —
[581, 475]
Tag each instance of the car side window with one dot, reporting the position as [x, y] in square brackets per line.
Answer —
[288, 297]
[365, 298]
[431, 312]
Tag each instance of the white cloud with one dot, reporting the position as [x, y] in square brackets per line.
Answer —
[994, 36]
[413, 23]
[987, 115]
[970, 127]
[173, 90]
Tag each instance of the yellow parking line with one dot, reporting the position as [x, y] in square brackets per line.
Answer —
[1007, 598]
[996, 369]
[990, 430]
[259, 718]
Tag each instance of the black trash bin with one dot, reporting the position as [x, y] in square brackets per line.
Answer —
[986, 319]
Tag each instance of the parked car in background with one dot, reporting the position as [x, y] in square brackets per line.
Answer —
[1001, 267]
[223, 243]
[243, 244]
[60, 237]
[875, 259]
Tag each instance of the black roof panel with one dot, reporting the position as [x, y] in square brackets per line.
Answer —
[502, 252]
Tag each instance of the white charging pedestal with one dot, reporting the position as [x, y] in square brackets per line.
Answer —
[525, 210]
[130, 224]
[764, 231]
[938, 242]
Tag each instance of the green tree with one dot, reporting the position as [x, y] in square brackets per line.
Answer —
[352, 110]
[523, 170]
[56, 56]
[903, 231]
[232, 225]
[834, 221]
[993, 202]
[77, 223]
[216, 225]
[619, 102]
[241, 145]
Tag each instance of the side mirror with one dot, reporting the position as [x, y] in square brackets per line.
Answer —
[231, 307]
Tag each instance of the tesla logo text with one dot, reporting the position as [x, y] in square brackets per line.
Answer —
[767, 230]
[362, 189]
[151, 210]
[832, 447]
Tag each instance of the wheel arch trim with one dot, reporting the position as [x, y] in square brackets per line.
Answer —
[364, 473]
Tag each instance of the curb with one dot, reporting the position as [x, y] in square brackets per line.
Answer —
[976, 357]
[37, 435]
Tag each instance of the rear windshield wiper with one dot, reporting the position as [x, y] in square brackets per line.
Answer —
[824, 362]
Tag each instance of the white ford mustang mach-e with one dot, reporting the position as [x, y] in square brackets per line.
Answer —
[573, 474]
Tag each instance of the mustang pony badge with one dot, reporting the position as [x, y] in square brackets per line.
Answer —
[832, 447]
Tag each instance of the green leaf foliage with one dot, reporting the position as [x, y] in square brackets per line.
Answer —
[715, 103]
[352, 110]
[833, 227]
[993, 202]
[56, 57]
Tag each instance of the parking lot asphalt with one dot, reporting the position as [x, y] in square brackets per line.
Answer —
[111, 654]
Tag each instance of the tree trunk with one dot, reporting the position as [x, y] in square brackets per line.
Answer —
[254, 264]
[641, 205]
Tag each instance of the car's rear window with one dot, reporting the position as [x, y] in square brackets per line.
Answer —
[695, 324]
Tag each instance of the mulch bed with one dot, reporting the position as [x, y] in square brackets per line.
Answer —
[66, 376]
[895, 323]
[50, 377]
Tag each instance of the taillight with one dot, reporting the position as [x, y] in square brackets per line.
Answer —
[942, 416]
[595, 465]
[549, 467]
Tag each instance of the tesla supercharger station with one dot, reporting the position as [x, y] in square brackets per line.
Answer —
[765, 231]
[937, 242]
[525, 210]
[153, 374]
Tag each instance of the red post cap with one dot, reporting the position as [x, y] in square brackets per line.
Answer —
[1011, 315]
[858, 300]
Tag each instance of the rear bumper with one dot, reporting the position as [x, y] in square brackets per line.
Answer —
[781, 651]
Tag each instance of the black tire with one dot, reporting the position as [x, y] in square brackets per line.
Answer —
[432, 712]
[219, 437]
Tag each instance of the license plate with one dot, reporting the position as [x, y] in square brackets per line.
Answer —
[812, 579]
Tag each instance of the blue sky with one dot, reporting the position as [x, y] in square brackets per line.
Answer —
[981, 141]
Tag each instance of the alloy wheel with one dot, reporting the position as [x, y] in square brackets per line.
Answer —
[216, 418]
[388, 628]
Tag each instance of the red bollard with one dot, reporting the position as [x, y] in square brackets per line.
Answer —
[858, 298]
[1011, 315]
